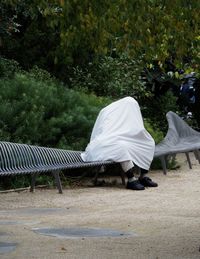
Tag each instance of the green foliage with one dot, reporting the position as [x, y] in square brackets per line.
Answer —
[154, 132]
[116, 77]
[98, 27]
[13, 182]
[8, 67]
[46, 113]
[8, 23]
[41, 75]
[58, 34]
[34, 43]
[196, 107]
[155, 109]
[161, 78]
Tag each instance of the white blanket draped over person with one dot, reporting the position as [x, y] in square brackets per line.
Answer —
[119, 135]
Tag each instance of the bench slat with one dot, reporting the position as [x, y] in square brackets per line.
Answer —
[16, 159]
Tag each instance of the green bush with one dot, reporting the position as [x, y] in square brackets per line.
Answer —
[155, 133]
[8, 67]
[41, 75]
[46, 113]
[115, 77]
[155, 110]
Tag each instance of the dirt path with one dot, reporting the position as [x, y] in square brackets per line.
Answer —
[164, 221]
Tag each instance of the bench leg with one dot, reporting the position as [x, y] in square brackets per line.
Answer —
[96, 175]
[188, 159]
[33, 179]
[123, 176]
[57, 180]
[164, 166]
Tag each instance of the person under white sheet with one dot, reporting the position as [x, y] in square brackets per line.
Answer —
[119, 135]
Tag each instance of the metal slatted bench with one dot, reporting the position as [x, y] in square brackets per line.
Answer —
[18, 159]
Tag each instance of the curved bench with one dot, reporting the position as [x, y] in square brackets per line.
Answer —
[17, 159]
[180, 138]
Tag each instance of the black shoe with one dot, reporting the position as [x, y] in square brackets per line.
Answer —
[135, 185]
[147, 182]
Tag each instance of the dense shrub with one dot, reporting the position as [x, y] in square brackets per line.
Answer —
[114, 77]
[8, 67]
[155, 109]
[155, 133]
[45, 112]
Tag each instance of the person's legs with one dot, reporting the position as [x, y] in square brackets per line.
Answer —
[133, 183]
[128, 168]
[127, 165]
[145, 180]
[143, 172]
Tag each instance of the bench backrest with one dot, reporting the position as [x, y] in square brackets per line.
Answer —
[18, 158]
[180, 137]
[178, 128]
[15, 157]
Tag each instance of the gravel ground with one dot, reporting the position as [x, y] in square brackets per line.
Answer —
[163, 222]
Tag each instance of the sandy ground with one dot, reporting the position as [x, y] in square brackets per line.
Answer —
[165, 220]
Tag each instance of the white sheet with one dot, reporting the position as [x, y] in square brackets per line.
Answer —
[119, 135]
